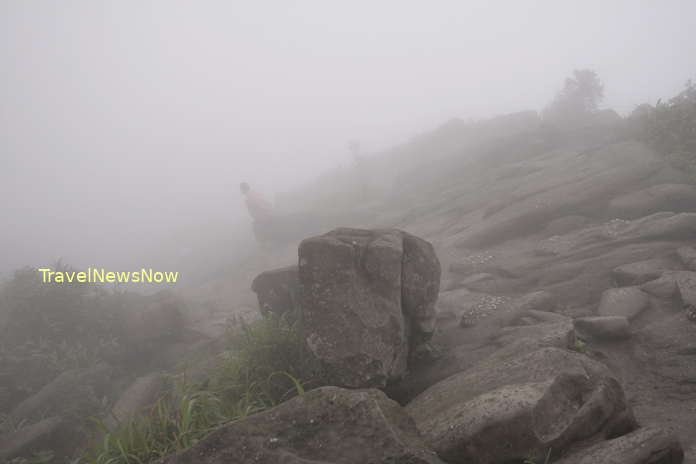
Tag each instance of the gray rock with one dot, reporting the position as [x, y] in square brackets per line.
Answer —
[648, 445]
[565, 224]
[277, 290]
[515, 406]
[687, 255]
[663, 197]
[627, 302]
[603, 327]
[42, 436]
[75, 391]
[367, 299]
[572, 186]
[326, 425]
[641, 272]
[143, 392]
[663, 287]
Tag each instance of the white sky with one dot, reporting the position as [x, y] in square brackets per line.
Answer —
[122, 120]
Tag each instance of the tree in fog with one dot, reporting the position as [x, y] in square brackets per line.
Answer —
[579, 97]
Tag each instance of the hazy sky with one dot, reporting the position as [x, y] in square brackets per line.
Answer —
[122, 122]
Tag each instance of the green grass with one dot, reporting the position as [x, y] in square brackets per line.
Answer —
[266, 363]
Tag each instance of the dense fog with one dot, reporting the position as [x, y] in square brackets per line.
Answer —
[127, 126]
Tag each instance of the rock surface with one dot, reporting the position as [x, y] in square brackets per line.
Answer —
[277, 290]
[326, 425]
[662, 197]
[625, 302]
[647, 445]
[603, 327]
[368, 298]
[143, 392]
[512, 407]
[41, 436]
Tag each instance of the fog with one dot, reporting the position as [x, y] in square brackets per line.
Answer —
[127, 126]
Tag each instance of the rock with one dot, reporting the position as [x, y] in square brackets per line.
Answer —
[572, 185]
[686, 287]
[641, 272]
[513, 406]
[663, 287]
[42, 436]
[668, 350]
[75, 391]
[367, 299]
[482, 282]
[603, 327]
[663, 197]
[565, 224]
[143, 392]
[420, 286]
[687, 255]
[648, 445]
[627, 302]
[325, 425]
[277, 290]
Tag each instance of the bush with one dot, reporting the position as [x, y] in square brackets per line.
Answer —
[49, 328]
[671, 128]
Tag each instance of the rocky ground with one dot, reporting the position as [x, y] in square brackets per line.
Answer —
[563, 324]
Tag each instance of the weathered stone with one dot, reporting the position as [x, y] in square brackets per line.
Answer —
[42, 436]
[572, 186]
[663, 197]
[277, 290]
[627, 302]
[514, 406]
[641, 272]
[326, 425]
[143, 392]
[687, 255]
[420, 286]
[648, 445]
[75, 391]
[367, 299]
[663, 287]
[603, 327]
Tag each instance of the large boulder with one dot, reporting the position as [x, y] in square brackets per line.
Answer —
[326, 425]
[649, 445]
[662, 197]
[277, 290]
[367, 298]
[513, 407]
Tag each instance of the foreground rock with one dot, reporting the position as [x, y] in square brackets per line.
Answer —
[647, 445]
[510, 407]
[367, 299]
[326, 425]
